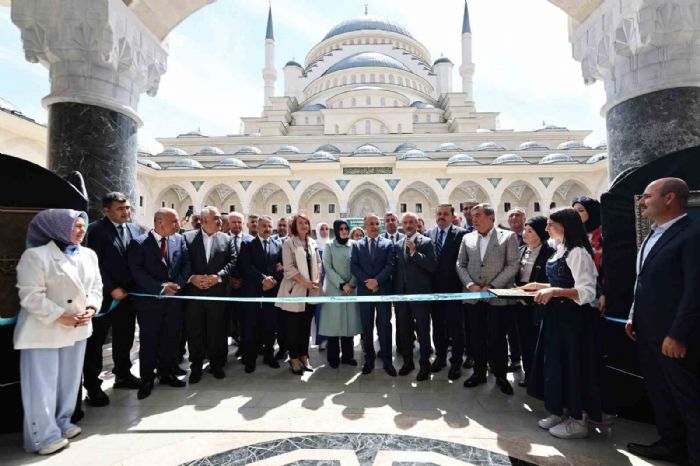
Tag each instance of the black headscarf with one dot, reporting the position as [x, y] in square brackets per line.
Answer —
[336, 230]
[592, 207]
[539, 224]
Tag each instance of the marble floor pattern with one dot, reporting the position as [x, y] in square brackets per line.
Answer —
[328, 417]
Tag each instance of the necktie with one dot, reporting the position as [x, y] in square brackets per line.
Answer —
[438, 245]
[267, 250]
[371, 248]
[122, 234]
[164, 250]
[235, 244]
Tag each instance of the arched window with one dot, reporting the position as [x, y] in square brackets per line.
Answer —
[415, 118]
[398, 128]
[306, 120]
[382, 102]
[371, 78]
[340, 104]
[428, 117]
[318, 120]
[353, 102]
[381, 78]
[345, 80]
[368, 101]
[362, 78]
[336, 129]
[353, 79]
[391, 78]
[368, 127]
[399, 81]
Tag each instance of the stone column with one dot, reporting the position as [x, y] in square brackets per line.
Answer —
[100, 58]
[646, 53]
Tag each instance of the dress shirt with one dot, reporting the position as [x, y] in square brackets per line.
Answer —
[409, 238]
[158, 238]
[444, 235]
[208, 240]
[583, 270]
[484, 242]
[236, 241]
[123, 232]
[648, 245]
[391, 237]
[528, 263]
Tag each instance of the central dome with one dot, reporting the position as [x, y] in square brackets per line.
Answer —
[367, 59]
[367, 23]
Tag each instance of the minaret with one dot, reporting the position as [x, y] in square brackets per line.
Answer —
[467, 68]
[269, 73]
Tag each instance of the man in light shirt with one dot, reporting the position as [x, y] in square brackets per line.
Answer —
[488, 258]
[665, 322]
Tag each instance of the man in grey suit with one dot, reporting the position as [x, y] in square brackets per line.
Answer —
[488, 258]
[415, 264]
[213, 260]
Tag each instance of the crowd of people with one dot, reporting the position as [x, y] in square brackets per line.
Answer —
[71, 295]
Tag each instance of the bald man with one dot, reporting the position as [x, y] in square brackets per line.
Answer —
[665, 321]
[159, 265]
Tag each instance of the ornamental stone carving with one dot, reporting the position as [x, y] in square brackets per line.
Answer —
[98, 52]
[637, 47]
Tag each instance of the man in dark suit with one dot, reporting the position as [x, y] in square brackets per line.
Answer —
[282, 230]
[467, 211]
[109, 238]
[488, 258]
[391, 227]
[447, 316]
[159, 265]
[234, 309]
[212, 262]
[261, 271]
[665, 322]
[415, 264]
[372, 264]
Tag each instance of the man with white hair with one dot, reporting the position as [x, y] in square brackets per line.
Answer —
[213, 260]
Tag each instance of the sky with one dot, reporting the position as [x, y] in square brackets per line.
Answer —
[521, 51]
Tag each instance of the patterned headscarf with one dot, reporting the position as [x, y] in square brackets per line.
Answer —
[54, 225]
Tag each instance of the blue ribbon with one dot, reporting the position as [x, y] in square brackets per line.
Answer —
[8, 320]
[115, 303]
[335, 299]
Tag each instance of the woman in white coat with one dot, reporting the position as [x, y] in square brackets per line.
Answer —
[60, 290]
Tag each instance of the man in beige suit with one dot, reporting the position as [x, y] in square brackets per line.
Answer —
[488, 258]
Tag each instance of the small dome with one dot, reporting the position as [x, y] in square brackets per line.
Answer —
[413, 154]
[312, 108]
[292, 63]
[531, 145]
[490, 146]
[598, 157]
[192, 134]
[366, 60]
[367, 149]
[171, 151]
[449, 147]
[288, 150]
[149, 163]
[572, 145]
[328, 148]
[461, 159]
[508, 159]
[421, 104]
[602, 146]
[251, 150]
[274, 162]
[186, 164]
[443, 60]
[209, 150]
[556, 158]
[405, 146]
[552, 128]
[230, 162]
[322, 156]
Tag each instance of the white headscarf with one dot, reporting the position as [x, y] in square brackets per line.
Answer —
[321, 242]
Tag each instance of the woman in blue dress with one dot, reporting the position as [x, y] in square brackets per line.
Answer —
[569, 348]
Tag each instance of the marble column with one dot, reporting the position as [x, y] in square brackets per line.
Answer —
[98, 142]
[646, 54]
[101, 58]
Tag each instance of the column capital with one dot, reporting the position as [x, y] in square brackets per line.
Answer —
[98, 52]
[638, 46]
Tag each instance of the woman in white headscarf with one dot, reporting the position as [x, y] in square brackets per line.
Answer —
[60, 290]
[322, 238]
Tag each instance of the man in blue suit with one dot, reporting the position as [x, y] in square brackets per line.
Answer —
[665, 322]
[261, 271]
[159, 265]
[372, 264]
[109, 238]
